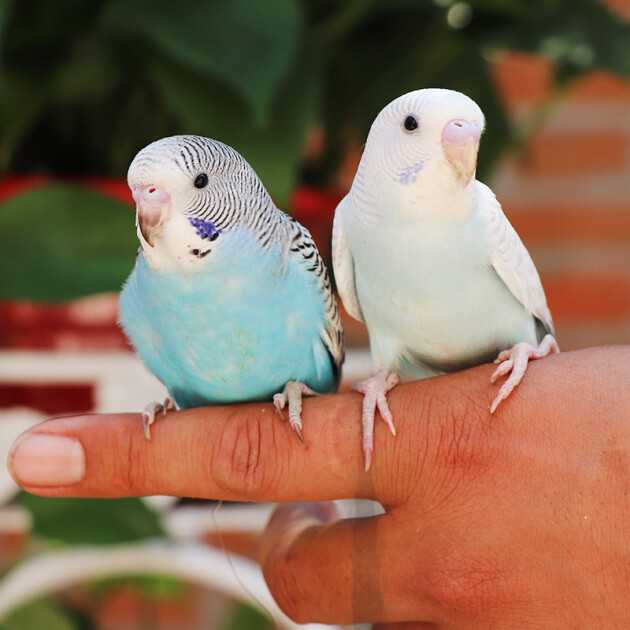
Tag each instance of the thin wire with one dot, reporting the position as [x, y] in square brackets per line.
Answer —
[264, 608]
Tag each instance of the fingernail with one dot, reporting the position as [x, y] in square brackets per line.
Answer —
[38, 459]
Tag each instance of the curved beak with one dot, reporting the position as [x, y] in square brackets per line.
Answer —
[460, 141]
[153, 205]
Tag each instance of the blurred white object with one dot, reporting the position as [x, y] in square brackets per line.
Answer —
[14, 519]
[121, 381]
[357, 364]
[195, 522]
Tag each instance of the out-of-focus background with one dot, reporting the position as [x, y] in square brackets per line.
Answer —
[293, 85]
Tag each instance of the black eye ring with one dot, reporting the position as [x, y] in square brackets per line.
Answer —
[411, 123]
[201, 181]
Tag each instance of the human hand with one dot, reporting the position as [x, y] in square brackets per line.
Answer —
[514, 520]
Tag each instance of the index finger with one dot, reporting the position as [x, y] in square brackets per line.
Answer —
[236, 452]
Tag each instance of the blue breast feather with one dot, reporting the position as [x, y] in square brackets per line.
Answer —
[237, 330]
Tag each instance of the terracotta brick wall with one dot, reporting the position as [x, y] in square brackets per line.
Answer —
[568, 196]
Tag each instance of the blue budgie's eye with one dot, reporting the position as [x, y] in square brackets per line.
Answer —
[201, 181]
[411, 123]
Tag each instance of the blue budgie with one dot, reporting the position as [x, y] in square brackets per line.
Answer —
[424, 255]
[229, 299]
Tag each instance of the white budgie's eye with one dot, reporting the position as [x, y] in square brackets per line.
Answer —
[201, 181]
[411, 123]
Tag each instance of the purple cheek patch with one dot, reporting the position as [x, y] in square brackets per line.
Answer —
[408, 175]
[205, 229]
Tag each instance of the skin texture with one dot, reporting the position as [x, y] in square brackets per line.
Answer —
[517, 520]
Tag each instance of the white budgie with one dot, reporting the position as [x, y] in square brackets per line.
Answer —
[424, 255]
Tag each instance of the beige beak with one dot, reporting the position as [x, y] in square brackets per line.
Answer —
[460, 141]
[153, 206]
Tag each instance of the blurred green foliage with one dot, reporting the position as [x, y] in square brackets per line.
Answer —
[85, 85]
[245, 616]
[91, 521]
[50, 613]
[43, 613]
[61, 242]
[70, 522]
[56, 614]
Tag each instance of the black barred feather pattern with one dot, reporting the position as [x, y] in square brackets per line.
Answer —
[234, 194]
[302, 244]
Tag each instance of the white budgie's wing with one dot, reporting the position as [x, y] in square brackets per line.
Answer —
[511, 260]
[343, 264]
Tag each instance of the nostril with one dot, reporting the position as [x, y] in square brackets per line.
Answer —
[460, 132]
[152, 194]
[456, 132]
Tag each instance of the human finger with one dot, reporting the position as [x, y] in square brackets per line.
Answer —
[321, 569]
[236, 452]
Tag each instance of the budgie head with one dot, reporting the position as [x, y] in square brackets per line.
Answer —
[427, 139]
[189, 190]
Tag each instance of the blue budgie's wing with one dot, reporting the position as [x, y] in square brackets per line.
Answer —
[343, 264]
[303, 247]
[512, 261]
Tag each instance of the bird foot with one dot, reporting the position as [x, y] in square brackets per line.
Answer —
[374, 390]
[515, 361]
[291, 395]
[149, 412]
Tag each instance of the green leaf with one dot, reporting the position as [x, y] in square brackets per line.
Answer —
[92, 521]
[22, 103]
[89, 72]
[5, 6]
[62, 242]
[247, 44]
[41, 614]
[274, 151]
[245, 616]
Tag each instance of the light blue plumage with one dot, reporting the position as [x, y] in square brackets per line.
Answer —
[424, 255]
[229, 300]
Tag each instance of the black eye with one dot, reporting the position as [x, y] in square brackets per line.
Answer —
[411, 123]
[201, 181]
